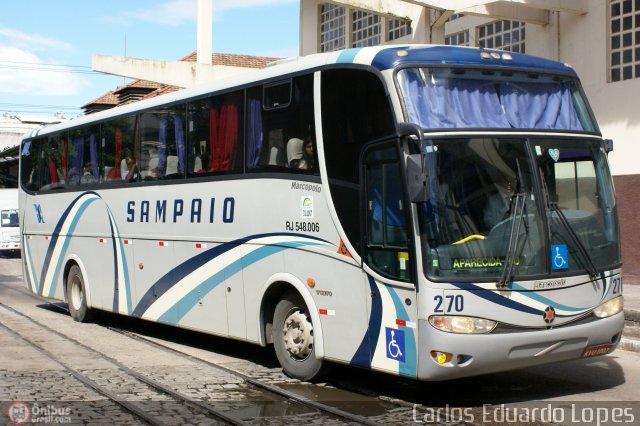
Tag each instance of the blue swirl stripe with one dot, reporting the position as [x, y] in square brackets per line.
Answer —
[176, 309]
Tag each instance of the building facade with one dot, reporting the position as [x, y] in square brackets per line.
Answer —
[599, 38]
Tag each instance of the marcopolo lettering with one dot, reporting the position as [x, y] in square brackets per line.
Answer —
[196, 210]
[306, 187]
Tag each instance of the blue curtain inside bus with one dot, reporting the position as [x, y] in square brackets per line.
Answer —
[477, 103]
[539, 106]
[254, 144]
[162, 144]
[93, 153]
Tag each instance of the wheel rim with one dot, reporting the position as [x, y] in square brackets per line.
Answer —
[298, 335]
[77, 295]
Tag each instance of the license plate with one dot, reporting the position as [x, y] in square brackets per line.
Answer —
[597, 350]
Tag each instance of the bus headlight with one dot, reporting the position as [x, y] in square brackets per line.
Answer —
[462, 325]
[609, 308]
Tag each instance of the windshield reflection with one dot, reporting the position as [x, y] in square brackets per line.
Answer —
[470, 226]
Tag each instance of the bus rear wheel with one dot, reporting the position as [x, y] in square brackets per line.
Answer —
[292, 335]
[76, 296]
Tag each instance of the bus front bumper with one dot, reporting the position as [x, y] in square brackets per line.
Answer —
[471, 355]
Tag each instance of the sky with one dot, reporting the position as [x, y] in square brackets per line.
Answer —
[46, 46]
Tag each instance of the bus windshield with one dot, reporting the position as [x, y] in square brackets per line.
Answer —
[454, 98]
[484, 198]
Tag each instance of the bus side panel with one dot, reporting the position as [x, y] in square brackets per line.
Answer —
[234, 285]
[204, 307]
[54, 222]
[178, 283]
[394, 337]
[93, 245]
[94, 255]
[341, 297]
[255, 275]
[35, 247]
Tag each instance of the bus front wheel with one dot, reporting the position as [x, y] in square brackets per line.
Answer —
[292, 335]
[76, 296]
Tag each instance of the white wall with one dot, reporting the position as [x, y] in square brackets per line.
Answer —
[584, 44]
[310, 23]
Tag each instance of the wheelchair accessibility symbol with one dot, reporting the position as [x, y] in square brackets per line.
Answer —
[395, 344]
[559, 257]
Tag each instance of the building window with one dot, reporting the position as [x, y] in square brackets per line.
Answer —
[625, 40]
[366, 29]
[503, 35]
[458, 39]
[397, 28]
[332, 27]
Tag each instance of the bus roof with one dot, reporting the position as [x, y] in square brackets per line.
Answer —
[379, 57]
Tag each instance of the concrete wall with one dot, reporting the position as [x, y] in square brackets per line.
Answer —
[310, 23]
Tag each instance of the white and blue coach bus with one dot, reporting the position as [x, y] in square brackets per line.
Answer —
[427, 211]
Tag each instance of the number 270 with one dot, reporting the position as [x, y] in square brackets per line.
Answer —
[450, 302]
[617, 285]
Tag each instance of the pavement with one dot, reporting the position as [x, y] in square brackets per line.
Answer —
[631, 333]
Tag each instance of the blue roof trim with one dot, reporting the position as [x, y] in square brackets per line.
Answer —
[348, 56]
[452, 55]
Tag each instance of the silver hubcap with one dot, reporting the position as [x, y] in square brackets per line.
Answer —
[298, 335]
[76, 293]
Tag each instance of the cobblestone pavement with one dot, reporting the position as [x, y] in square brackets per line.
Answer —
[47, 385]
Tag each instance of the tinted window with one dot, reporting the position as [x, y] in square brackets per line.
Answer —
[215, 134]
[118, 146]
[281, 139]
[29, 159]
[162, 140]
[355, 110]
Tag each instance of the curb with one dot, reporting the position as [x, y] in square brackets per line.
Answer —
[632, 315]
[629, 345]
[632, 323]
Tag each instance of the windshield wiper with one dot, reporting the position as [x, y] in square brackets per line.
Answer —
[553, 207]
[591, 267]
[516, 222]
[517, 214]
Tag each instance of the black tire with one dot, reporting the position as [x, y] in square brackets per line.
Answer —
[292, 335]
[76, 296]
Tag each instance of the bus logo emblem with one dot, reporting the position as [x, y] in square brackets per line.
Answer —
[39, 215]
[549, 314]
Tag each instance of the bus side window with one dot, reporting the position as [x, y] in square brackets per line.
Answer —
[279, 124]
[117, 141]
[387, 244]
[162, 144]
[355, 111]
[30, 172]
[215, 134]
[53, 163]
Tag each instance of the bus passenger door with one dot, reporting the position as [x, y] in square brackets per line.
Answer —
[388, 256]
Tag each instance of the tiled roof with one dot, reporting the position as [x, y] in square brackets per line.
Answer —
[109, 98]
[162, 91]
[139, 84]
[236, 60]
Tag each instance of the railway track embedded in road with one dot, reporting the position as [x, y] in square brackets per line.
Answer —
[191, 406]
